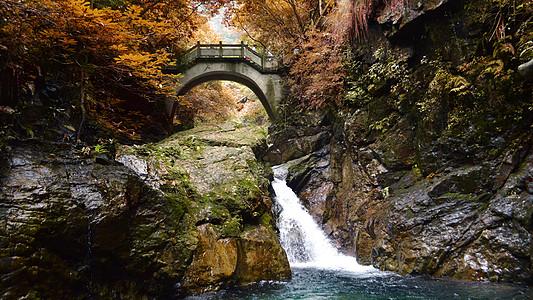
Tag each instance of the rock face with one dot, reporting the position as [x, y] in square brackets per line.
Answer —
[76, 225]
[472, 221]
[446, 226]
[229, 208]
[422, 170]
[73, 227]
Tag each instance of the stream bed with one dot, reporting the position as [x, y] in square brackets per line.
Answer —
[315, 283]
[319, 271]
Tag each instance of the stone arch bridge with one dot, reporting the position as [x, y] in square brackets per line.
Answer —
[234, 62]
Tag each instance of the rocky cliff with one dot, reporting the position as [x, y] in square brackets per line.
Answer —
[187, 215]
[426, 166]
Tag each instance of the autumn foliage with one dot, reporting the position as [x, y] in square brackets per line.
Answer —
[280, 25]
[350, 20]
[317, 74]
[210, 101]
[109, 53]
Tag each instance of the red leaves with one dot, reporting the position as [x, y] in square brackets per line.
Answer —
[351, 19]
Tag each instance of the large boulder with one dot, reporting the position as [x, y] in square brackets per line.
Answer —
[187, 215]
[77, 227]
[230, 209]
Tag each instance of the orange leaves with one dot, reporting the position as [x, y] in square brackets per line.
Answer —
[71, 31]
[119, 48]
[294, 29]
[147, 67]
[280, 24]
[317, 75]
[211, 101]
[135, 60]
[114, 55]
[68, 31]
[68, 41]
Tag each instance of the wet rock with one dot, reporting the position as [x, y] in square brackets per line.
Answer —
[87, 229]
[515, 199]
[448, 223]
[294, 148]
[230, 207]
[213, 264]
[309, 178]
[427, 168]
[465, 180]
[260, 256]
[414, 9]
[185, 216]
[500, 254]
[397, 150]
[508, 164]
[526, 70]
[451, 232]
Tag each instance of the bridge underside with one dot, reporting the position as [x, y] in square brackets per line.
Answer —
[266, 86]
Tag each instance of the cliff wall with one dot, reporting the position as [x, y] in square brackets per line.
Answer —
[426, 165]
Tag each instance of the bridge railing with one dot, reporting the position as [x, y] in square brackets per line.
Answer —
[266, 62]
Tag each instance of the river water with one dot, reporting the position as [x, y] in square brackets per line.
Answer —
[319, 271]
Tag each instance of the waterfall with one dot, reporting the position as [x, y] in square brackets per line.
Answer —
[301, 237]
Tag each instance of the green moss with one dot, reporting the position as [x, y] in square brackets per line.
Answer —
[384, 124]
[232, 227]
[158, 151]
[267, 220]
[178, 205]
[416, 171]
[178, 183]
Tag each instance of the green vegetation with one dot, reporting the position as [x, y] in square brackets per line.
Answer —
[212, 171]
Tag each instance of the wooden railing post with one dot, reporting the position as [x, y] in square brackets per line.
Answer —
[220, 50]
[242, 49]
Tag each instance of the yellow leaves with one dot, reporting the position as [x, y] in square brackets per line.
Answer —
[68, 41]
[133, 12]
[142, 28]
[458, 84]
[444, 82]
[184, 102]
[113, 38]
[135, 60]
[52, 34]
[114, 52]
[494, 67]
[79, 6]
[121, 48]
[147, 66]
[144, 62]
[82, 8]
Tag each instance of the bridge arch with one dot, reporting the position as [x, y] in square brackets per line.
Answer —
[238, 63]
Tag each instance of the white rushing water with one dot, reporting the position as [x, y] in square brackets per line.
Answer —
[301, 237]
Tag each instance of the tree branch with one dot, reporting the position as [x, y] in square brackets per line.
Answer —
[244, 28]
[150, 6]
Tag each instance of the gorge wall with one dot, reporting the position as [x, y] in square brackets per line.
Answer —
[187, 215]
[426, 166]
